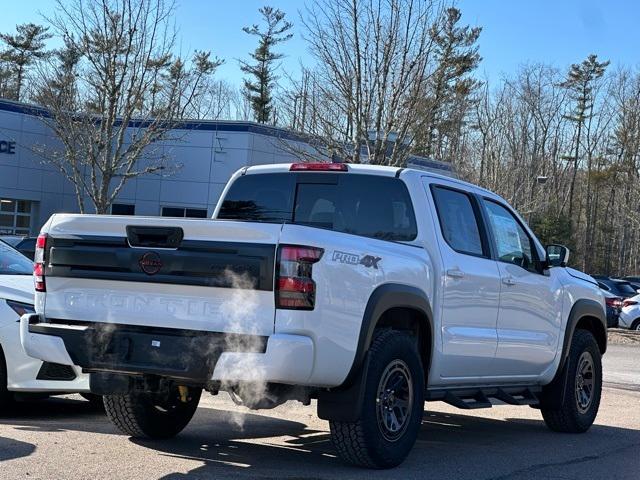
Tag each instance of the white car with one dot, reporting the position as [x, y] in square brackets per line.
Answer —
[630, 313]
[19, 372]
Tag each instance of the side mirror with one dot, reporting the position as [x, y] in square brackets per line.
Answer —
[557, 255]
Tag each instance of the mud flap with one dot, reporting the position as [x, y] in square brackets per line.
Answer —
[553, 394]
[106, 383]
[344, 404]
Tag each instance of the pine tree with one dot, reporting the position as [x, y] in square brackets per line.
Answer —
[259, 86]
[61, 86]
[24, 48]
[456, 54]
[580, 83]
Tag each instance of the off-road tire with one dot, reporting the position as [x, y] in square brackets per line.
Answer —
[6, 397]
[363, 443]
[569, 418]
[138, 414]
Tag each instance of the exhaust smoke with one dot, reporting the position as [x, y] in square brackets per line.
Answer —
[240, 311]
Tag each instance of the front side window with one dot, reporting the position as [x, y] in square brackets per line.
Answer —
[458, 220]
[512, 242]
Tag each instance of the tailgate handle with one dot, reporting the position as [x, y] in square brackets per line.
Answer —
[154, 237]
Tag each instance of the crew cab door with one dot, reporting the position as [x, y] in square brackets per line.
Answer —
[530, 315]
[470, 285]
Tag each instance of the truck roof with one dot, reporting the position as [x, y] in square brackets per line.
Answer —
[374, 170]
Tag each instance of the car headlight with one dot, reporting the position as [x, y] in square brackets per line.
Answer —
[20, 308]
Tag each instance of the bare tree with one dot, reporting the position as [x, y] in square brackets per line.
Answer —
[130, 92]
[373, 59]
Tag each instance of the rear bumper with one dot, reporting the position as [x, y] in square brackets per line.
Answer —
[196, 356]
[613, 316]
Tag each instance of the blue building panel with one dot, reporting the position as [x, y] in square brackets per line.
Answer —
[200, 157]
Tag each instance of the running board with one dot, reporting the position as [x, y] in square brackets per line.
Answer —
[472, 398]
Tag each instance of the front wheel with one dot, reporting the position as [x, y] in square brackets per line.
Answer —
[391, 414]
[580, 397]
[152, 415]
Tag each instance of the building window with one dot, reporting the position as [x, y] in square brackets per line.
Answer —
[184, 212]
[15, 216]
[123, 209]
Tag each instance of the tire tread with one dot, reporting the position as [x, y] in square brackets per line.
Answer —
[348, 438]
[121, 411]
[566, 419]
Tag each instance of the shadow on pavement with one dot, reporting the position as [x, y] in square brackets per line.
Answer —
[460, 446]
[449, 446]
[10, 449]
[55, 414]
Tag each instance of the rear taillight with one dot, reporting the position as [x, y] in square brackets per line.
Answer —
[295, 289]
[628, 303]
[39, 261]
[613, 302]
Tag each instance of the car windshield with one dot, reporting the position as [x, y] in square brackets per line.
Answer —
[13, 262]
[13, 241]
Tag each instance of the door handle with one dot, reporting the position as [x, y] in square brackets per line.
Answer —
[508, 281]
[455, 273]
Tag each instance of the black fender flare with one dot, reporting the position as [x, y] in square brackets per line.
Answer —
[344, 402]
[553, 392]
[583, 308]
[383, 298]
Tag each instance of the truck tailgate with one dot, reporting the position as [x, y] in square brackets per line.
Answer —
[178, 273]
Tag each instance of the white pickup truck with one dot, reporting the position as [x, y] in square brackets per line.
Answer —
[370, 289]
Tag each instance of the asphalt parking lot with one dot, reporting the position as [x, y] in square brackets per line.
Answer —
[64, 438]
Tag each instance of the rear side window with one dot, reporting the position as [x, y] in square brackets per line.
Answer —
[367, 205]
[458, 221]
[260, 198]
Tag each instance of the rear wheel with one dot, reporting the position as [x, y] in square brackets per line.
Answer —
[152, 415]
[580, 397]
[636, 325]
[393, 405]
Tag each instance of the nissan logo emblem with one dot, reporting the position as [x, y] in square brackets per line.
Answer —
[150, 263]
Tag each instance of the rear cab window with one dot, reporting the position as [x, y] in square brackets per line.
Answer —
[458, 221]
[367, 205]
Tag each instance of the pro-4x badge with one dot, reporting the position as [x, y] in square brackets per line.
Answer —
[353, 259]
[370, 261]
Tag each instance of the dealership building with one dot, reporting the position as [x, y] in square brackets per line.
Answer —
[207, 152]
